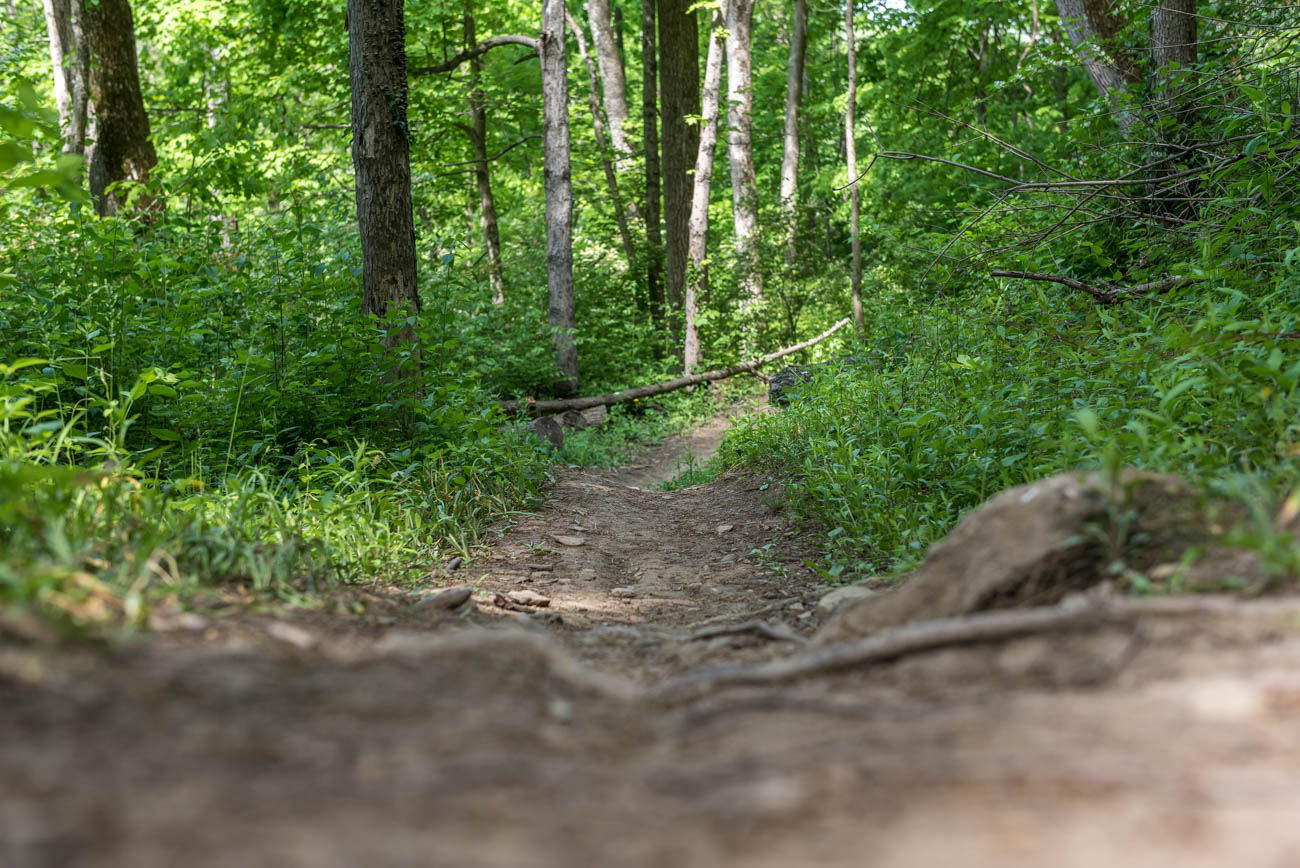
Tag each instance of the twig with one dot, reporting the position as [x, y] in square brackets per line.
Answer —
[772, 607]
[762, 628]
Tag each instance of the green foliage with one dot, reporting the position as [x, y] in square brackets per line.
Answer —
[966, 399]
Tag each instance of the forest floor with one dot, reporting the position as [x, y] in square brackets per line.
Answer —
[525, 727]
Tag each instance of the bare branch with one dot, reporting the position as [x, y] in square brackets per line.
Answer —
[479, 50]
[1106, 294]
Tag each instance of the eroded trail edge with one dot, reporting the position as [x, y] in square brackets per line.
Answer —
[524, 727]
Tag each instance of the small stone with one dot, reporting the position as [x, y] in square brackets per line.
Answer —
[452, 598]
[723, 528]
[540, 568]
[587, 575]
[623, 593]
[528, 598]
[454, 563]
[797, 607]
[841, 597]
[728, 560]
[571, 541]
[290, 634]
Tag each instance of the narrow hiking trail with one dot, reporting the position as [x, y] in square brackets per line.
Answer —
[522, 728]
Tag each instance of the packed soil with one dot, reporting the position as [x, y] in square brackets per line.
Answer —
[530, 724]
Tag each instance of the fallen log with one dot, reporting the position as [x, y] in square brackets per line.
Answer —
[546, 408]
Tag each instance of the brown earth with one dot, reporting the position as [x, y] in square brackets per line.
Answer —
[394, 733]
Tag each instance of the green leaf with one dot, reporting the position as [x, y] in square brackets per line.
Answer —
[165, 434]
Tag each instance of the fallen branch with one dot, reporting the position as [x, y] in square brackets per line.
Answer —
[1107, 293]
[547, 408]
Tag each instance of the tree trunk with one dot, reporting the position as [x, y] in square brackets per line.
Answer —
[487, 208]
[679, 80]
[611, 74]
[851, 159]
[1173, 48]
[381, 158]
[611, 177]
[1085, 24]
[122, 150]
[698, 248]
[740, 146]
[793, 96]
[559, 197]
[65, 24]
[653, 193]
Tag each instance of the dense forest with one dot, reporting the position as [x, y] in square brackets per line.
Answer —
[283, 279]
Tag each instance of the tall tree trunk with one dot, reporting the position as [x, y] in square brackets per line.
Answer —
[611, 75]
[65, 24]
[790, 137]
[559, 197]
[122, 150]
[1086, 22]
[697, 284]
[487, 207]
[679, 82]
[740, 146]
[851, 159]
[598, 125]
[382, 160]
[653, 192]
[1173, 48]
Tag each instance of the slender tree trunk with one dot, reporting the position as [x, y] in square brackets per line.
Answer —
[740, 146]
[611, 177]
[981, 70]
[65, 24]
[653, 192]
[679, 79]
[611, 75]
[793, 96]
[559, 197]
[382, 160]
[851, 158]
[122, 150]
[487, 207]
[1085, 25]
[697, 285]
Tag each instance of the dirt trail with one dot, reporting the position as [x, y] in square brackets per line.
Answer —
[526, 735]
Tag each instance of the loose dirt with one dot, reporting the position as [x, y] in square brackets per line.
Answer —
[525, 729]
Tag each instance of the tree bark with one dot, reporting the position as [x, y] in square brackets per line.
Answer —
[1086, 22]
[790, 137]
[559, 197]
[611, 75]
[122, 150]
[381, 158]
[487, 208]
[65, 24]
[653, 192]
[679, 80]
[740, 146]
[851, 160]
[545, 408]
[1173, 48]
[698, 248]
[602, 144]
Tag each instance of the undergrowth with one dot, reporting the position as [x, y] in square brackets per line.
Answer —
[964, 398]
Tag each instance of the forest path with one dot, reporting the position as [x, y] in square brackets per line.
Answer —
[397, 733]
